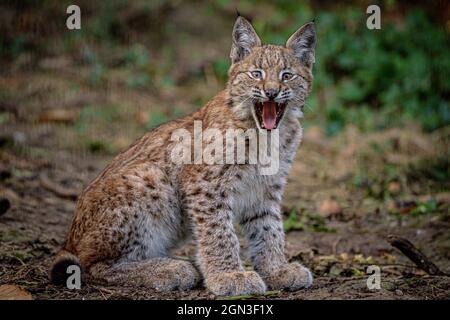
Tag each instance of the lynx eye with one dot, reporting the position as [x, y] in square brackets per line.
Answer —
[256, 74]
[286, 76]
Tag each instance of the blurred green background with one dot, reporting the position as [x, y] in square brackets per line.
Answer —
[373, 79]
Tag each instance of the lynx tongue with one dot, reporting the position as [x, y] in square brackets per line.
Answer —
[269, 114]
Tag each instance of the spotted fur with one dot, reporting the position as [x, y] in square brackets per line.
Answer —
[142, 205]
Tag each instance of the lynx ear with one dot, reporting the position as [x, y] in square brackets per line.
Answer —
[244, 39]
[303, 42]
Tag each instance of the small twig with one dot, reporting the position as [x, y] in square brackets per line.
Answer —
[391, 265]
[104, 297]
[410, 251]
[17, 258]
[106, 290]
[57, 189]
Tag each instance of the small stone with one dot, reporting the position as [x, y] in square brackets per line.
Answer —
[399, 292]
[19, 137]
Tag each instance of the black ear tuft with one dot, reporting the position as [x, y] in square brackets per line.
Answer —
[238, 14]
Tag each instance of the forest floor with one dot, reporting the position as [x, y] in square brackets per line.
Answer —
[345, 193]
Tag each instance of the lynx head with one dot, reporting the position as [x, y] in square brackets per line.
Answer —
[270, 82]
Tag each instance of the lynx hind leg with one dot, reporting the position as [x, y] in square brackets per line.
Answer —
[162, 274]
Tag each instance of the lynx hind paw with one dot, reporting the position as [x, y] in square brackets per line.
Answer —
[179, 275]
[290, 277]
[161, 274]
[235, 283]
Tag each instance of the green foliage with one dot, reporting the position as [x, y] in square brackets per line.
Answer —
[137, 59]
[92, 116]
[394, 74]
[221, 68]
[156, 118]
[4, 117]
[137, 56]
[373, 78]
[139, 80]
[427, 207]
[97, 146]
[12, 48]
[434, 172]
[90, 119]
[292, 222]
[305, 221]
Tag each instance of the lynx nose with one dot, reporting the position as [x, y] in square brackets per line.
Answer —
[271, 93]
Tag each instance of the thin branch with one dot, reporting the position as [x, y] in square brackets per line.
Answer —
[413, 254]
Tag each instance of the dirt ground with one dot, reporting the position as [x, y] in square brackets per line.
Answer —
[344, 196]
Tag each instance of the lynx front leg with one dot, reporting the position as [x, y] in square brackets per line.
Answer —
[218, 251]
[265, 235]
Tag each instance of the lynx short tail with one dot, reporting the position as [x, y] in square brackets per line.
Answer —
[58, 270]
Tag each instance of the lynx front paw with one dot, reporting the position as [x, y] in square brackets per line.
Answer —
[235, 283]
[290, 277]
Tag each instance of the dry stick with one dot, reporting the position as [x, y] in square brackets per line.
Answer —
[409, 250]
[57, 189]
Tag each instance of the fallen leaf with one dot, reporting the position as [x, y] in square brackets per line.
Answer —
[359, 258]
[389, 258]
[335, 271]
[394, 187]
[58, 115]
[344, 256]
[12, 292]
[329, 208]
[370, 260]
[402, 207]
[142, 117]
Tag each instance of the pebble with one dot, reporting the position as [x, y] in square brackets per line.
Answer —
[399, 292]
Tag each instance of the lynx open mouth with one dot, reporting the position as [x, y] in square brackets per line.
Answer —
[269, 114]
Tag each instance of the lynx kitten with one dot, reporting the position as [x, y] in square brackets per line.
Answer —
[144, 204]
